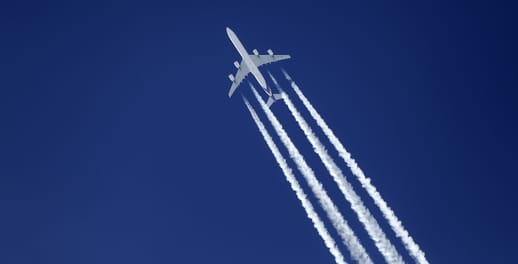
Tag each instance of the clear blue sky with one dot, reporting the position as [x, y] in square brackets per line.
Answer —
[119, 144]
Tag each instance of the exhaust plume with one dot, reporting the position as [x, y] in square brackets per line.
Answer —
[396, 225]
[372, 227]
[356, 250]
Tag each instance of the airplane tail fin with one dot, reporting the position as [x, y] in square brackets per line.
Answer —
[273, 98]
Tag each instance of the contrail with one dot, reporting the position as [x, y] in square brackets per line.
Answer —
[295, 186]
[356, 250]
[387, 212]
[375, 232]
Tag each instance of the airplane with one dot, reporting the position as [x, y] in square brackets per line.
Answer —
[250, 64]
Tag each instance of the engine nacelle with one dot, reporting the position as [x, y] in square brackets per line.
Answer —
[231, 77]
[236, 64]
[270, 52]
[256, 53]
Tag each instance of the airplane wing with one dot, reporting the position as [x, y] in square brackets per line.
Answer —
[265, 59]
[240, 76]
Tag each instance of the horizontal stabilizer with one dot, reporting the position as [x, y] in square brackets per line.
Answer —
[272, 99]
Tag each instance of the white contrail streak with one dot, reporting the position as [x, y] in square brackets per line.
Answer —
[356, 250]
[295, 186]
[375, 232]
[387, 212]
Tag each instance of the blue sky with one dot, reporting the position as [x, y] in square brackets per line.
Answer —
[119, 144]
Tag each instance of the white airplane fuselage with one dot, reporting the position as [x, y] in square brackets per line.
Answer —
[249, 63]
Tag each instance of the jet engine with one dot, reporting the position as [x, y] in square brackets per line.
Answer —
[236, 64]
[231, 77]
[256, 53]
[270, 52]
